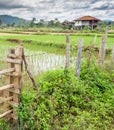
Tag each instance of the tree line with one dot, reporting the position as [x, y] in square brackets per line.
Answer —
[55, 23]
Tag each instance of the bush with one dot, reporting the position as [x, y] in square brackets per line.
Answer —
[66, 102]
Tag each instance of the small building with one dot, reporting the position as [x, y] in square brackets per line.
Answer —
[89, 21]
[68, 25]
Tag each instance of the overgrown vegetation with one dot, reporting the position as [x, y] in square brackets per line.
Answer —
[68, 103]
[64, 102]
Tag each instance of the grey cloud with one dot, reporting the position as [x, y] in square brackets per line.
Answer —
[94, 1]
[55, 12]
[9, 4]
[46, 2]
[62, 9]
[105, 6]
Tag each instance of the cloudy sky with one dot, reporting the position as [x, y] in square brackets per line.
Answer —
[61, 9]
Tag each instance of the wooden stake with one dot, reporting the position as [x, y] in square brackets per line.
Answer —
[94, 42]
[67, 52]
[18, 70]
[79, 58]
[102, 51]
[106, 33]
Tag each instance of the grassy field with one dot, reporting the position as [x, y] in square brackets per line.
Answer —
[58, 39]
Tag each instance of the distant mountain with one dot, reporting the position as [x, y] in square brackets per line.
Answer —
[7, 19]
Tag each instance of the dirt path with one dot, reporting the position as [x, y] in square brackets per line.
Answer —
[7, 34]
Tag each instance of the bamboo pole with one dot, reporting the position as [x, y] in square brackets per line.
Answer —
[5, 113]
[6, 87]
[15, 61]
[7, 71]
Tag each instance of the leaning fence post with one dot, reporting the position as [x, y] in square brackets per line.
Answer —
[67, 64]
[79, 58]
[102, 51]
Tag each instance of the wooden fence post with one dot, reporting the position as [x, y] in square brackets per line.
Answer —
[67, 64]
[102, 51]
[17, 79]
[106, 33]
[79, 58]
[94, 41]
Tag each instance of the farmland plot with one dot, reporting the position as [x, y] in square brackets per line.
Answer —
[41, 61]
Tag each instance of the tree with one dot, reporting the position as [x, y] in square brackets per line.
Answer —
[32, 23]
[51, 23]
[13, 24]
[57, 22]
[41, 23]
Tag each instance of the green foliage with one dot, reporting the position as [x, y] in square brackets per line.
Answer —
[86, 28]
[3, 125]
[94, 76]
[32, 23]
[69, 103]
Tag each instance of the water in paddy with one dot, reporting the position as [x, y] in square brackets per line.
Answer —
[42, 61]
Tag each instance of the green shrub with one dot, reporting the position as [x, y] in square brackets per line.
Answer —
[68, 103]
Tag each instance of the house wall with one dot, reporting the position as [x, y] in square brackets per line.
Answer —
[85, 23]
[78, 23]
[81, 23]
[91, 23]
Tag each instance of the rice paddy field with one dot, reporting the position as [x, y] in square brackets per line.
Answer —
[64, 102]
[53, 45]
[57, 39]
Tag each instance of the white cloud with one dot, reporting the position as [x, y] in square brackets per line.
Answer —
[61, 9]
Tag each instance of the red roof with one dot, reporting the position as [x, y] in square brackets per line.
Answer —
[85, 18]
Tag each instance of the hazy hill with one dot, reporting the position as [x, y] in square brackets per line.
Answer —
[7, 19]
